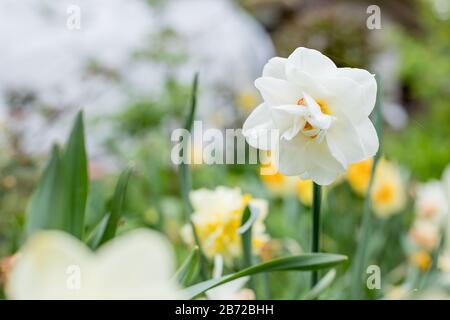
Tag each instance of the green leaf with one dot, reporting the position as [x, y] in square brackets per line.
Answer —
[193, 104]
[95, 236]
[76, 175]
[117, 204]
[188, 269]
[96, 208]
[305, 262]
[248, 218]
[46, 209]
[246, 236]
[323, 284]
[185, 178]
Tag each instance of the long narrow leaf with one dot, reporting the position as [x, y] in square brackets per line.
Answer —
[46, 209]
[246, 237]
[185, 177]
[76, 175]
[94, 238]
[306, 262]
[322, 285]
[96, 206]
[188, 269]
[117, 204]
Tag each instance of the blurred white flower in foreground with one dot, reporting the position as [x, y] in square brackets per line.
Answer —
[137, 265]
[217, 217]
[321, 113]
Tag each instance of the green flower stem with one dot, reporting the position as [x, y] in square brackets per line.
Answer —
[185, 189]
[360, 255]
[185, 181]
[317, 199]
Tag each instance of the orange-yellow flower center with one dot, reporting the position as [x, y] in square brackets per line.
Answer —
[323, 107]
[385, 194]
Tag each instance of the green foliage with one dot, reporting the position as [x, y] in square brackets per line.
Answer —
[116, 207]
[188, 270]
[46, 209]
[146, 114]
[76, 178]
[305, 262]
[246, 237]
[424, 70]
[60, 198]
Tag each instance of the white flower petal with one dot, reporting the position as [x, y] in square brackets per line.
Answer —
[40, 271]
[275, 68]
[313, 62]
[293, 156]
[317, 119]
[277, 92]
[369, 137]
[137, 265]
[345, 143]
[227, 291]
[256, 128]
[305, 81]
[367, 81]
[289, 119]
[322, 167]
[344, 95]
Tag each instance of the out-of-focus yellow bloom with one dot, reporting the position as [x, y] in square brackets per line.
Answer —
[358, 176]
[217, 217]
[421, 259]
[388, 192]
[247, 100]
[277, 183]
[304, 191]
[282, 186]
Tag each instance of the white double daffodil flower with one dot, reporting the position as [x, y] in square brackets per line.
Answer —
[319, 112]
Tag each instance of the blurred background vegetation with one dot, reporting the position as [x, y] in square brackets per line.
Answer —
[410, 55]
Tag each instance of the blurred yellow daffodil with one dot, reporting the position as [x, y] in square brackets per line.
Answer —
[277, 183]
[305, 191]
[217, 217]
[388, 192]
[422, 260]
